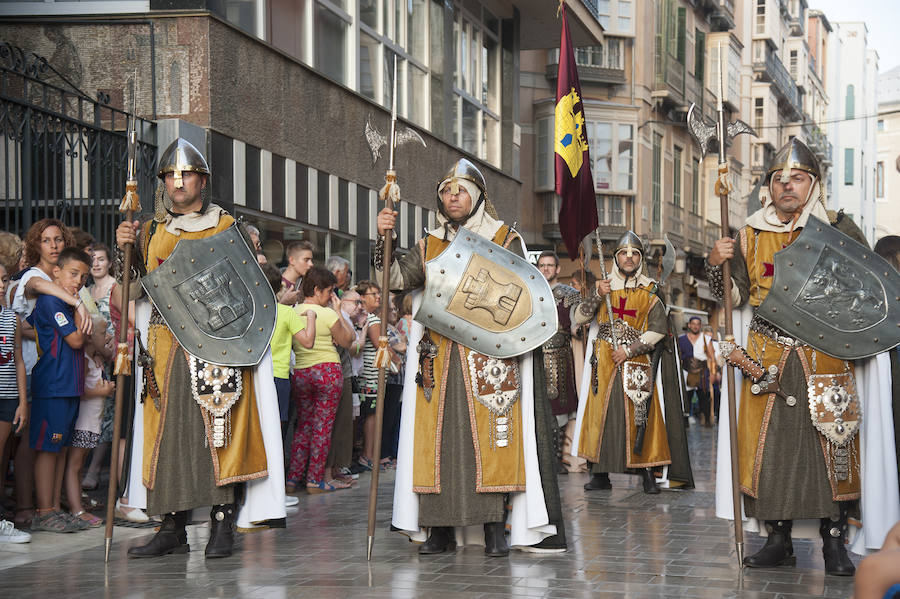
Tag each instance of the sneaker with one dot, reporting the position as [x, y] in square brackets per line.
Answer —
[355, 469]
[10, 534]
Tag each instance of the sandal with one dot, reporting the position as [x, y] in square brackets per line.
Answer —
[345, 478]
[365, 463]
[339, 484]
[319, 487]
[291, 486]
[54, 522]
[92, 520]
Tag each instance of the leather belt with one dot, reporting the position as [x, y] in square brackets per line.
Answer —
[766, 329]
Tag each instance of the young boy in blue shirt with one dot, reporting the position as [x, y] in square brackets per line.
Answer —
[57, 384]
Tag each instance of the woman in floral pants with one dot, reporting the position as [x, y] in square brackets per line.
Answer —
[317, 381]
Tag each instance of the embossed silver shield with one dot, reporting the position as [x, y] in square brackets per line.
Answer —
[487, 298]
[835, 294]
[214, 297]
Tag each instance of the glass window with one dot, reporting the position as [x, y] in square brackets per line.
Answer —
[616, 210]
[879, 180]
[604, 11]
[695, 186]
[601, 153]
[331, 46]
[676, 176]
[418, 89]
[464, 57]
[471, 141]
[625, 166]
[625, 15]
[881, 124]
[388, 78]
[416, 28]
[241, 13]
[851, 109]
[656, 185]
[758, 114]
[368, 61]
[368, 13]
[544, 167]
[848, 166]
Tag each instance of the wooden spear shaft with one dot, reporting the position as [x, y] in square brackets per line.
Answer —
[391, 179]
[122, 368]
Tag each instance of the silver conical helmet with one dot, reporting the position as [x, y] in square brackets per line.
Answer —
[464, 169]
[181, 156]
[629, 241]
[795, 155]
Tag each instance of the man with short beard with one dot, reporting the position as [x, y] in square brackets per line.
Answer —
[789, 469]
[620, 426]
[559, 361]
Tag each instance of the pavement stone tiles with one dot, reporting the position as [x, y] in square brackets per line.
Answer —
[622, 543]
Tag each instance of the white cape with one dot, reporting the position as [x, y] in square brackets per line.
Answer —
[584, 391]
[528, 520]
[264, 497]
[880, 499]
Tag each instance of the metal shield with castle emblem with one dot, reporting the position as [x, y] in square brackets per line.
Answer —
[487, 298]
[835, 294]
[214, 297]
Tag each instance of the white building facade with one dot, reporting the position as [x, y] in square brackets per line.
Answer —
[852, 90]
[887, 166]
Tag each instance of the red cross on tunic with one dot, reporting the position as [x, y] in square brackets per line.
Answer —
[769, 267]
[621, 312]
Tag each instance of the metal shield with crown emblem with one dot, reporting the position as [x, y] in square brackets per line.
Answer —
[487, 298]
[214, 297]
[835, 294]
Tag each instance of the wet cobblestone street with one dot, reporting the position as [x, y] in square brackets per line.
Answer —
[622, 543]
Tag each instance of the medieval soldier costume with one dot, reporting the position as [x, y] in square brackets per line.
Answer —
[799, 448]
[471, 424]
[202, 427]
[558, 358]
[625, 409]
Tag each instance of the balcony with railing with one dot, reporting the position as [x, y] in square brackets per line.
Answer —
[762, 156]
[818, 143]
[603, 64]
[694, 231]
[768, 67]
[721, 14]
[693, 91]
[675, 223]
[552, 204]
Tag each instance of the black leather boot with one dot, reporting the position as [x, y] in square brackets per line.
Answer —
[495, 539]
[599, 482]
[778, 550]
[171, 538]
[650, 486]
[221, 531]
[837, 562]
[440, 539]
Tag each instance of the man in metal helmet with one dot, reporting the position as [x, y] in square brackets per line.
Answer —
[621, 425]
[461, 451]
[792, 464]
[188, 459]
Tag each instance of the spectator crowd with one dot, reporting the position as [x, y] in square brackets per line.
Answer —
[60, 320]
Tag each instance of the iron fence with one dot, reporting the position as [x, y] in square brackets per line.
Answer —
[63, 153]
